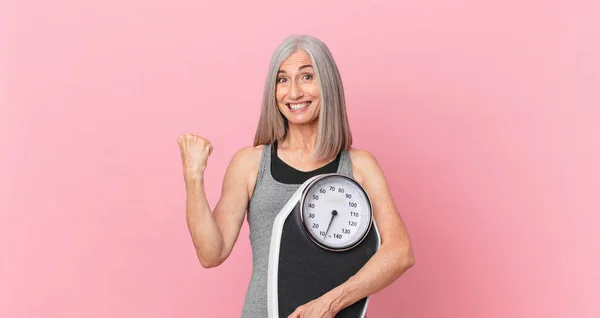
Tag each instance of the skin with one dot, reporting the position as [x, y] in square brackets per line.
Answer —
[215, 232]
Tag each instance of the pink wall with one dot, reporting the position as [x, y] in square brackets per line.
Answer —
[484, 117]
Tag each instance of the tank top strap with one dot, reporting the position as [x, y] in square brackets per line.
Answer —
[345, 166]
[265, 163]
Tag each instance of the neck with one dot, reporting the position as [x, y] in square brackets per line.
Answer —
[301, 137]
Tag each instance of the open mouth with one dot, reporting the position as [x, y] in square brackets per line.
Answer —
[298, 106]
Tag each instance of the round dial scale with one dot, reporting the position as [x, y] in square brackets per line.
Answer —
[326, 230]
[336, 212]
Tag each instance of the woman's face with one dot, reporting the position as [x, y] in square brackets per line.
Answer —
[297, 90]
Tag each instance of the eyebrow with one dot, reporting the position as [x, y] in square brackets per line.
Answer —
[300, 68]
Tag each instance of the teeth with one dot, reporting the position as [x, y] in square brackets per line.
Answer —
[298, 106]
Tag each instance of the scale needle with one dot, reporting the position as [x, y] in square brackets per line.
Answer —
[333, 214]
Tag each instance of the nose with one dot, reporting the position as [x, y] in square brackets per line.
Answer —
[296, 90]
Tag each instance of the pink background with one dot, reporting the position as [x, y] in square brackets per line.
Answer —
[484, 116]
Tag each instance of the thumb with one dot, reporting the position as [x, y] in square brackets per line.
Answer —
[295, 314]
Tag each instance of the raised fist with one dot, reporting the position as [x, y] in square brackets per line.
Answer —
[194, 155]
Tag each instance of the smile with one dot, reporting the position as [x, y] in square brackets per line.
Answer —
[298, 106]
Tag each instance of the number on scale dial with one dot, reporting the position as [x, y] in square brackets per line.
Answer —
[336, 212]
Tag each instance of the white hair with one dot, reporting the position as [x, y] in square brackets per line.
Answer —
[333, 129]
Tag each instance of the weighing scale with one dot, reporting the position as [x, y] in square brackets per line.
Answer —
[322, 236]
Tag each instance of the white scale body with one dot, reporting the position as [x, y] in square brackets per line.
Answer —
[324, 235]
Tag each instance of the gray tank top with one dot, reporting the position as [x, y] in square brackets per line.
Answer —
[268, 199]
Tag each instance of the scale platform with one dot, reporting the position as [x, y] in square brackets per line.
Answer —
[302, 264]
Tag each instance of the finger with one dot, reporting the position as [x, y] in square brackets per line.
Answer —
[295, 314]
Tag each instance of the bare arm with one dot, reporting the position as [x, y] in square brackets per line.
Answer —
[395, 254]
[214, 233]
[389, 262]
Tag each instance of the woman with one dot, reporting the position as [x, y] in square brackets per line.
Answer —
[303, 131]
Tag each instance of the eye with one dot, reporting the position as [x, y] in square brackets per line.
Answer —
[281, 80]
[308, 77]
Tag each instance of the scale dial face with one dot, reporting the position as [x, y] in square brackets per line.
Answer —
[336, 212]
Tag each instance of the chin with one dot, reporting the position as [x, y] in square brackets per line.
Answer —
[294, 120]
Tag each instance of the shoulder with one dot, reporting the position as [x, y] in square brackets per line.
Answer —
[247, 156]
[243, 167]
[248, 152]
[364, 163]
[361, 156]
[246, 163]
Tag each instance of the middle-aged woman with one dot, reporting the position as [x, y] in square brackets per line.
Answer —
[303, 131]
